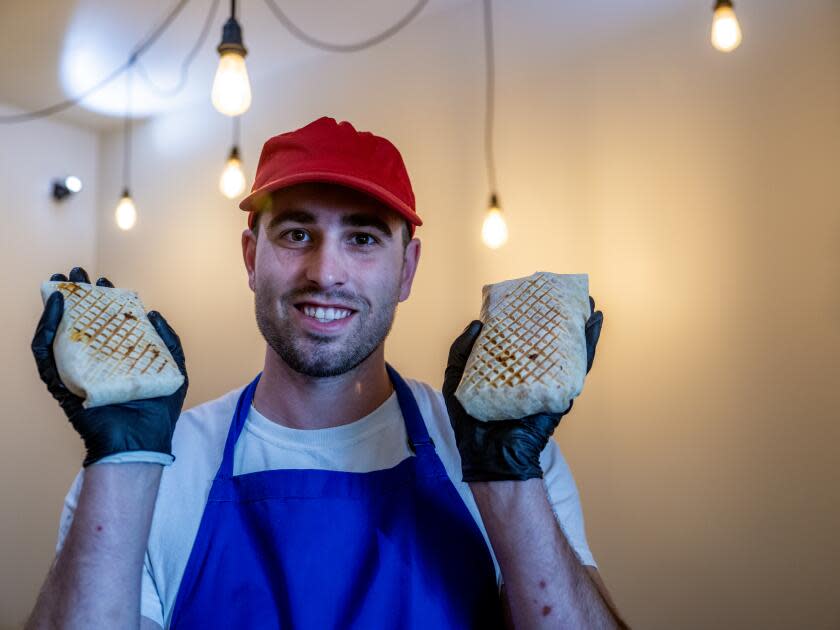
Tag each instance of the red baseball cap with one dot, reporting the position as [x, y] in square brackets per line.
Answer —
[328, 151]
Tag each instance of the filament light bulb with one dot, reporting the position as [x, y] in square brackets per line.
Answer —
[231, 88]
[126, 213]
[231, 94]
[232, 181]
[726, 32]
[494, 231]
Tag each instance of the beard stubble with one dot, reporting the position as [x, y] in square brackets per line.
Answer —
[323, 356]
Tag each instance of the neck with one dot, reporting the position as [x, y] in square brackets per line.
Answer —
[304, 402]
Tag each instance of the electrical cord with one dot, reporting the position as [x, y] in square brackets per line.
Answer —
[136, 53]
[236, 130]
[144, 44]
[127, 134]
[490, 67]
[185, 65]
[366, 43]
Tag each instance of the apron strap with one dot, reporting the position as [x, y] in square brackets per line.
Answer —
[243, 406]
[419, 440]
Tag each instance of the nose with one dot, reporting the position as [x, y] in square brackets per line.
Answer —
[326, 265]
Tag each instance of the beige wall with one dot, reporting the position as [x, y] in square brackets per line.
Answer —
[39, 449]
[698, 191]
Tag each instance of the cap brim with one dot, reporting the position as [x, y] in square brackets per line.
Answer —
[254, 201]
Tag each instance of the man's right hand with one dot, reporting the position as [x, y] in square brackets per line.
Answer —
[142, 427]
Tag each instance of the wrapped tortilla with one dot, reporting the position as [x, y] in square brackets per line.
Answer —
[106, 350]
[530, 356]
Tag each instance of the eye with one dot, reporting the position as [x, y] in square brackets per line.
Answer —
[371, 240]
[297, 235]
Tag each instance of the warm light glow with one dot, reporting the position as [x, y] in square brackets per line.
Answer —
[90, 47]
[126, 213]
[494, 232]
[231, 88]
[726, 32]
[73, 183]
[232, 181]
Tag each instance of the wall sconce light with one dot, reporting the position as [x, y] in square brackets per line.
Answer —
[65, 187]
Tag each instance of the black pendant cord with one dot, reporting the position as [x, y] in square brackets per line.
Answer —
[136, 53]
[295, 30]
[168, 92]
[234, 150]
[489, 97]
[127, 134]
[143, 45]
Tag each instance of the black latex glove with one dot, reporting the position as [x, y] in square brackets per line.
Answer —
[138, 425]
[503, 449]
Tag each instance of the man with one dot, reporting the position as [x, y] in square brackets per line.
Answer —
[329, 492]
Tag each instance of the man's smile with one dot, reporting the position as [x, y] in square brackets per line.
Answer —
[323, 319]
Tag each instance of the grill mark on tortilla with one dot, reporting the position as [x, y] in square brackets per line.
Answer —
[69, 287]
[145, 350]
[102, 327]
[117, 329]
[79, 335]
[96, 302]
[99, 300]
[509, 375]
[130, 332]
[113, 364]
[155, 352]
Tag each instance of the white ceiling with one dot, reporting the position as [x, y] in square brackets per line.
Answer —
[54, 49]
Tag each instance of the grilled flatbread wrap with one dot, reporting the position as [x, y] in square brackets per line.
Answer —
[106, 350]
[530, 356]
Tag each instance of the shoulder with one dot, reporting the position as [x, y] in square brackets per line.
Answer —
[436, 418]
[432, 407]
[206, 411]
[426, 395]
[198, 441]
[204, 423]
[558, 476]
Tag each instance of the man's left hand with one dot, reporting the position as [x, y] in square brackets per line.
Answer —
[503, 449]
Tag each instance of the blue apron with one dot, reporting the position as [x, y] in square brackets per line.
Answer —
[322, 549]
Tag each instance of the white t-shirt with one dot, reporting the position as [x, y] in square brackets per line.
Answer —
[377, 441]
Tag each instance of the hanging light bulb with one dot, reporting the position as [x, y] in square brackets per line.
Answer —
[726, 32]
[231, 94]
[126, 213]
[232, 181]
[494, 231]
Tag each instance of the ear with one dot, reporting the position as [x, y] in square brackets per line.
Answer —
[411, 258]
[249, 255]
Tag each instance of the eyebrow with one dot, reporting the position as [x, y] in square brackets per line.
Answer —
[358, 219]
[291, 216]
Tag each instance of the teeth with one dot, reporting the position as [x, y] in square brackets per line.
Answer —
[326, 314]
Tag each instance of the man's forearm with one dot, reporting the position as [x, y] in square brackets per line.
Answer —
[547, 587]
[95, 580]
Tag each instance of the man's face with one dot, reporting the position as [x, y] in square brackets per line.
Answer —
[327, 271]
